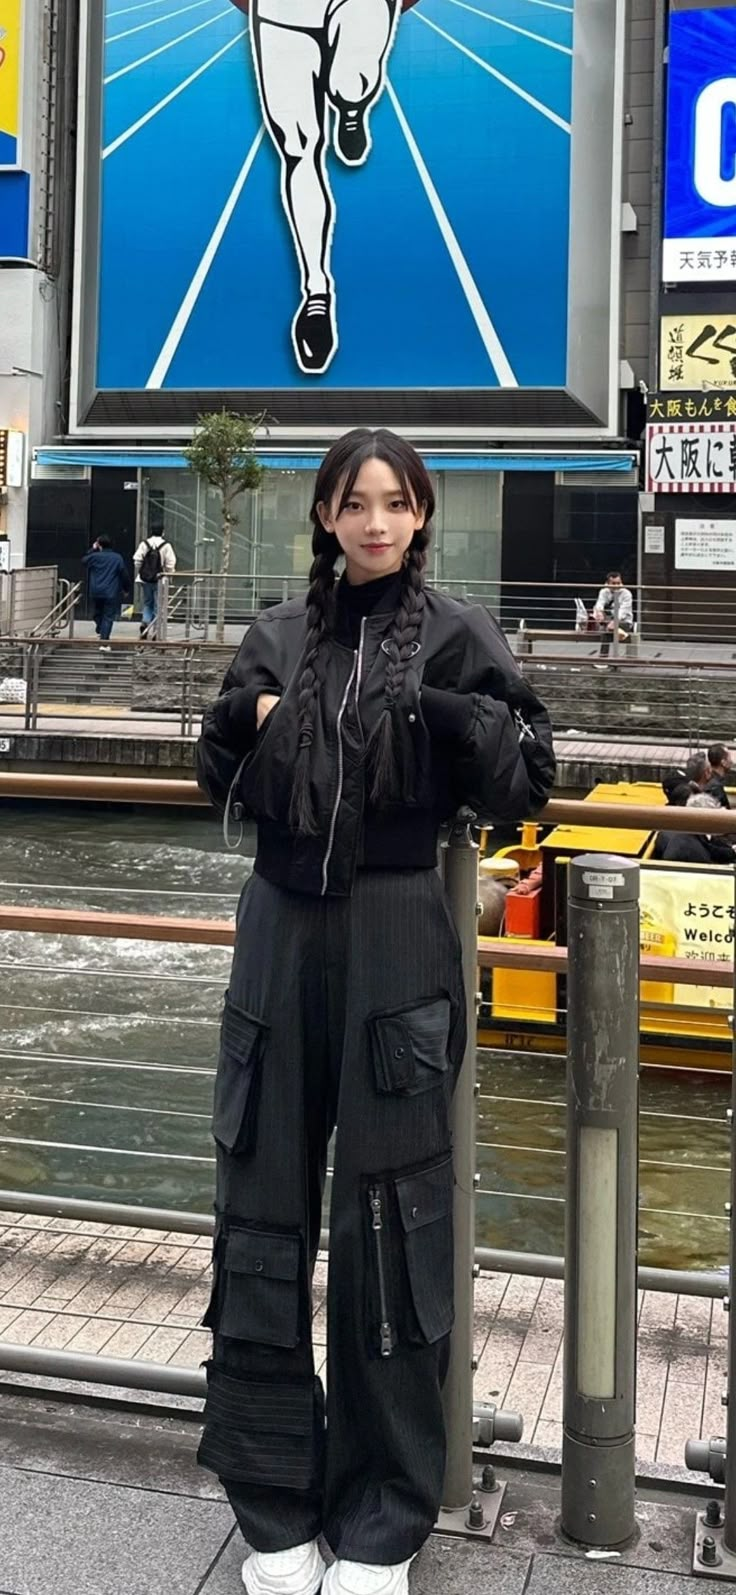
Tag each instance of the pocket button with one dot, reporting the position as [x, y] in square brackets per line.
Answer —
[258, 1265]
[399, 1052]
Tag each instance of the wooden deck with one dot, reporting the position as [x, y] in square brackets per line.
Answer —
[141, 1294]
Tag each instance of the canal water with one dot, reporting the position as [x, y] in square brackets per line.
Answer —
[108, 1047]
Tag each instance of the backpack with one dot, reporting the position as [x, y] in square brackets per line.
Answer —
[152, 563]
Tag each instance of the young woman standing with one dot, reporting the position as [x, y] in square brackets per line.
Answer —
[352, 722]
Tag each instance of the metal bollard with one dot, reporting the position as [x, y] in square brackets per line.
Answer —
[461, 884]
[598, 1461]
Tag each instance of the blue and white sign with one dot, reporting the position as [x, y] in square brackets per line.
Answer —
[292, 197]
[699, 243]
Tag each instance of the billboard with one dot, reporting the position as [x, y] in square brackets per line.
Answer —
[697, 351]
[691, 457]
[10, 53]
[699, 238]
[316, 196]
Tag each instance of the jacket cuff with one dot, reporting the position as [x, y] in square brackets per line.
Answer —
[242, 719]
[449, 715]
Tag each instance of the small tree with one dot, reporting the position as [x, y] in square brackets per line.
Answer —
[222, 453]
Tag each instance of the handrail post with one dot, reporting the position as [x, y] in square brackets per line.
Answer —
[598, 1459]
[162, 609]
[615, 648]
[461, 884]
[715, 1532]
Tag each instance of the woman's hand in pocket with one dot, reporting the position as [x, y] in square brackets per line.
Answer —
[266, 702]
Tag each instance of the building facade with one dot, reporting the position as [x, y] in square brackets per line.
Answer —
[465, 256]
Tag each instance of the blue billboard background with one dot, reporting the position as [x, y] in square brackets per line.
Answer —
[450, 250]
[702, 50]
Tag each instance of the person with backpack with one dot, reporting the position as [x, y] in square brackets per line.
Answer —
[108, 582]
[354, 720]
[153, 558]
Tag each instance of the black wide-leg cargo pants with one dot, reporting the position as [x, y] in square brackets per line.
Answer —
[344, 1012]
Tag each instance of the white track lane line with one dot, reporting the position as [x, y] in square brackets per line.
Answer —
[122, 71]
[489, 336]
[143, 5]
[148, 116]
[170, 16]
[537, 38]
[536, 105]
[183, 314]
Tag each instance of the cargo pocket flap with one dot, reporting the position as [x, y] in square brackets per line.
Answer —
[411, 1045]
[423, 1198]
[266, 1256]
[237, 1083]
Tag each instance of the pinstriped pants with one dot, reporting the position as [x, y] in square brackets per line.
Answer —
[346, 1014]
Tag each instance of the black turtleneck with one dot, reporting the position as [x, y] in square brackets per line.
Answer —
[368, 598]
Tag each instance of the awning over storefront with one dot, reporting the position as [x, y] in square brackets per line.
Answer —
[613, 461]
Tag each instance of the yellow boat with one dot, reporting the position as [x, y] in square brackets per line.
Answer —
[686, 912]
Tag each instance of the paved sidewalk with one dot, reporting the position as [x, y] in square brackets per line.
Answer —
[141, 1294]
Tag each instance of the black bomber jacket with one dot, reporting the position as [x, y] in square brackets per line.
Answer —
[469, 732]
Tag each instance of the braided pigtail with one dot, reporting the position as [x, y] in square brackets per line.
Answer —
[386, 780]
[320, 604]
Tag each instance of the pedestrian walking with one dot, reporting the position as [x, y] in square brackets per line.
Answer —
[108, 583]
[153, 558]
[353, 720]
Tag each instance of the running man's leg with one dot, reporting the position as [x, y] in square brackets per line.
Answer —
[360, 34]
[292, 76]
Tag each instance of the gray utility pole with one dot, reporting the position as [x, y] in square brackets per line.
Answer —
[598, 1462]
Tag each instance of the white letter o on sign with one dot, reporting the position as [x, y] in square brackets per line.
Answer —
[709, 108]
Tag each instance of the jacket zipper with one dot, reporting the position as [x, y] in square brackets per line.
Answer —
[386, 1332]
[359, 677]
[340, 762]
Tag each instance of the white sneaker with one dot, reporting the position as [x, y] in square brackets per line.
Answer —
[358, 1578]
[105, 648]
[299, 1571]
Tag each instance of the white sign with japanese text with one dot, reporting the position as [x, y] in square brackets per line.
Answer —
[698, 457]
[705, 545]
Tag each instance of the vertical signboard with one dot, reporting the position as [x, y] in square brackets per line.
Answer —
[699, 242]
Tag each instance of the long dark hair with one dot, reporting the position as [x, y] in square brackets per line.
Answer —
[338, 473]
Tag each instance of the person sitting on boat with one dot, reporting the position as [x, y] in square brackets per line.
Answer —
[687, 847]
[721, 765]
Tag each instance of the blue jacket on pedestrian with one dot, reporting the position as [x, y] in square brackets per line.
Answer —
[108, 577]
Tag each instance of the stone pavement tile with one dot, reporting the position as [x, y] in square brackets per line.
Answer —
[319, 1281]
[719, 1321]
[683, 1406]
[36, 1282]
[562, 1575]
[8, 1316]
[97, 1293]
[552, 1409]
[488, 1297]
[520, 1298]
[498, 1362]
[130, 1295]
[713, 1420]
[94, 1334]
[73, 1537]
[646, 1446]
[547, 1434]
[190, 1310]
[127, 1340]
[72, 1246]
[164, 1301]
[60, 1330]
[26, 1326]
[658, 1310]
[693, 1316]
[527, 1390]
[193, 1350]
[651, 1383]
[161, 1345]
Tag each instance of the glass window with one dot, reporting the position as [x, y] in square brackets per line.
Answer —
[468, 533]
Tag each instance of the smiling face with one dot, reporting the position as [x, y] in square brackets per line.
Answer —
[374, 524]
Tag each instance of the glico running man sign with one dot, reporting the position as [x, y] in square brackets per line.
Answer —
[327, 196]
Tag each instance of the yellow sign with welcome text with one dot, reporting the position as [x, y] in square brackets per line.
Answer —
[689, 914]
[11, 15]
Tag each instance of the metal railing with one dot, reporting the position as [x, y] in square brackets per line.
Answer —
[683, 700]
[603, 972]
[27, 596]
[535, 615]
